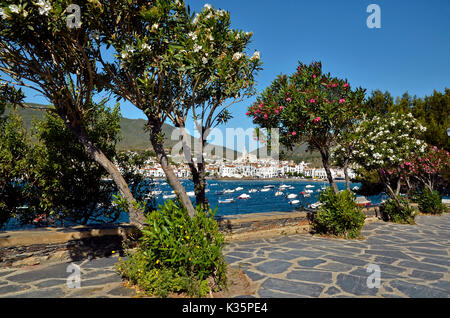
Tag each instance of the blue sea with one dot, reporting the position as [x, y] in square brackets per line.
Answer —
[258, 202]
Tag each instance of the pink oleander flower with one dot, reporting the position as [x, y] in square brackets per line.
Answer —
[341, 101]
[333, 85]
[277, 111]
[247, 113]
[314, 76]
[316, 119]
[288, 99]
[346, 84]
[312, 100]
[281, 107]
[265, 116]
[294, 133]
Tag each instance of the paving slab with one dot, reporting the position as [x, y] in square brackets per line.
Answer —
[414, 262]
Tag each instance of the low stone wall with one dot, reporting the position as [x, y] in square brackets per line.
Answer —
[236, 224]
[52, 245]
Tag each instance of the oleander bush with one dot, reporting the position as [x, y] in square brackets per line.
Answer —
[430, 202]
[338, 215]
[393, 212]
[178, 254]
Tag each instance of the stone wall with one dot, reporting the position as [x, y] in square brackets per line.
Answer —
[52, 245]
[55, 245]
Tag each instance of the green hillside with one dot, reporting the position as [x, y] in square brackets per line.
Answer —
[133, 136]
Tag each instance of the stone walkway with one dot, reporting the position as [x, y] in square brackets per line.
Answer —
[413, 260]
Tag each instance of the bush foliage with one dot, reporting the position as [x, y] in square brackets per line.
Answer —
[430, 202]
[338, 215]
[178, 254]
[396, 213]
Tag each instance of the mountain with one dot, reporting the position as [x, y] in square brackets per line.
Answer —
[133, 135]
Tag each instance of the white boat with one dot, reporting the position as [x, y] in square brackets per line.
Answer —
[265, 190]
[294, 202]
[226, 201]
[310, 186]
[306, 195]
[292, 196]
[252, 191]
[239, 189]
[315, 205]
[269, 186]
[283, 186]
[309, 191]
[164, 183]
[213, 184]
[191, 193]
[153, 193]
[279, 193]
[244, 196]
[362, 201]
[169, 196]
[207, 190]
[228, 191]
[355, 188]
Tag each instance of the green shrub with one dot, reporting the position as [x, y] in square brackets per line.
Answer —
[430, 202]
[402, 213]
[178, 254]
[338, 215]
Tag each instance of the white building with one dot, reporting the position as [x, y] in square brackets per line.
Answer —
[227, 171]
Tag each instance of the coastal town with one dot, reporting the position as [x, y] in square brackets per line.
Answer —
[247, 165]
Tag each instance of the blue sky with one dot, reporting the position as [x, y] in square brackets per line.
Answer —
[410, 52]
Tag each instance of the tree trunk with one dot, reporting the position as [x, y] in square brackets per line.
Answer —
[172, 179]
[136, 215]
[392, 194]
[326, 165]
[347, 180]
[197, 171]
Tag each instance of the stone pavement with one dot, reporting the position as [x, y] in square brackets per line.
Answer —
[414, 262]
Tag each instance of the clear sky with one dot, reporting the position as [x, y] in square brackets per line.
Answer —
[410, 52]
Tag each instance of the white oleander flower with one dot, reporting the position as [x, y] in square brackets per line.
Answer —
[130, 49]
[204, 60]
[3, 14]
[155, 26]
[44, 7]
[220, 13]
[237, 56]
[197, 48]
[192, 35]
[256, 56]
[207, 6]
[146, 47]
[14, 8]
